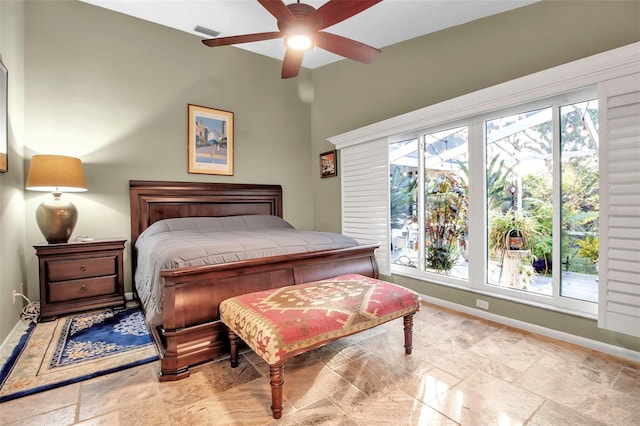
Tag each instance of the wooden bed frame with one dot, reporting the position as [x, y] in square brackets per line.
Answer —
[191, 331]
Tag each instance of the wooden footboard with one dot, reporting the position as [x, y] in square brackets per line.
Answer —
[192, 332]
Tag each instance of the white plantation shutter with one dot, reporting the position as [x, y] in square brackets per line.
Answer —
[619, 117]
[365, 196]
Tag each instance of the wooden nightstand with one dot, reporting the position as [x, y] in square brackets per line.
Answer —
[78, 276]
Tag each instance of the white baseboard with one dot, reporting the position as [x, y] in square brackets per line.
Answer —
[533, 328]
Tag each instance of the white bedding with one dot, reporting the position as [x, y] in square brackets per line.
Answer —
[198, 241]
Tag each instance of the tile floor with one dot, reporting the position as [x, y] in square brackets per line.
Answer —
[464, 371]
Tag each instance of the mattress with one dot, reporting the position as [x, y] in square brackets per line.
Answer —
[199, 241]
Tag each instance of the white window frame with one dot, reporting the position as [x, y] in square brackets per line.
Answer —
[545, 84]
[555, 300]
[478, 215]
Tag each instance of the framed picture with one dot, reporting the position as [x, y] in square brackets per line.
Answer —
[4, 118]
[329, 164]
[210, 141]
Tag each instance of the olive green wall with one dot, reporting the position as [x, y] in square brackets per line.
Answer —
[463, 59]
[453, 62]
[12, 210]
[113, 90]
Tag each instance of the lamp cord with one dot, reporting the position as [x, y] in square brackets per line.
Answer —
[31, 311]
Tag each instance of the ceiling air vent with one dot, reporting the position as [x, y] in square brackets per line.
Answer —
[206, 31]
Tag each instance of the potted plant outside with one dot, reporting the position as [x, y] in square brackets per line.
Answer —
[510, 241]
[446, 207]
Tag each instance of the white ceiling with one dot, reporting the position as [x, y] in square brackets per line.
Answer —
[384, 24]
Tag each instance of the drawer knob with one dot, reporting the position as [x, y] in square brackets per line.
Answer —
[83, 268]
[83, 288]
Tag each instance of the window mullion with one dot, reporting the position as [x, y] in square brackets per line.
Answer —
[477, 205]
[420, 203]
[556, 201]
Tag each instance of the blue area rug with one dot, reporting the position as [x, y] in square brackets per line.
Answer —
[76, 348]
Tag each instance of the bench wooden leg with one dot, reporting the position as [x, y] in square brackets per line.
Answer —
[233, 348]
[276, 372]
[408, 334]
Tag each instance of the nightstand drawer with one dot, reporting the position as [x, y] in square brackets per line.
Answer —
[80, 276]
[77, 289]
[61, 270]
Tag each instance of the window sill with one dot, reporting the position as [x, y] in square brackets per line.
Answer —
[457, 285]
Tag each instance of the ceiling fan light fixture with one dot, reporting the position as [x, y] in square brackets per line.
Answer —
[300, 25]
[298, 42]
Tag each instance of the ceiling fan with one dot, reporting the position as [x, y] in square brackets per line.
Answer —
[301, 24]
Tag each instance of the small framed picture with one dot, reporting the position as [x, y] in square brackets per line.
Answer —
[210, 141]
[329, 164]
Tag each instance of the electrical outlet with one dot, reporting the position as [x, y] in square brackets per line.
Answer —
[17, 294]
[482, 304]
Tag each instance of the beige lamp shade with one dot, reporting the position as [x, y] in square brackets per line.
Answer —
[56, 173]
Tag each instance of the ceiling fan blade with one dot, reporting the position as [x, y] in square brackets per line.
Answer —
[279, 10]
[346, 47]
[336, 11]
[246, 38]
[292, 63]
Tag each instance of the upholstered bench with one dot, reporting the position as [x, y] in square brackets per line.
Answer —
[281, 323]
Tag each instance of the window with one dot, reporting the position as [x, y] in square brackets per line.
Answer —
[580, 186]
[429, 202]
[519, 149]
[522, 173]
[553, 120]
[530, 154]
[403, 201]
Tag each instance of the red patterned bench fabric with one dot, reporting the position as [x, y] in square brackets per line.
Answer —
[280, 323]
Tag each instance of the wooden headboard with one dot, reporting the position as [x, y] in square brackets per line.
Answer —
[156, 200]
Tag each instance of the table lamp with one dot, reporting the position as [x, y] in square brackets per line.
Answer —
[56, 174]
